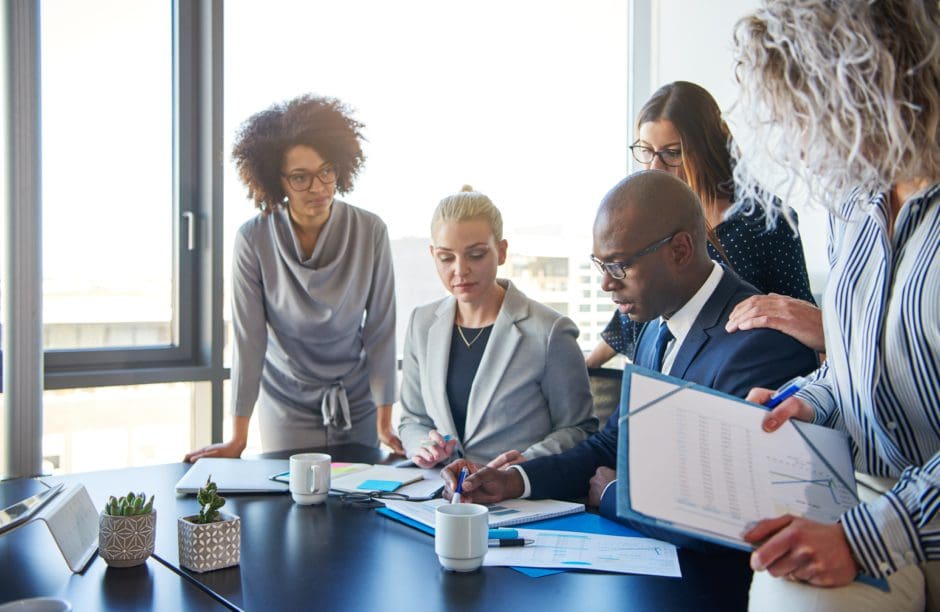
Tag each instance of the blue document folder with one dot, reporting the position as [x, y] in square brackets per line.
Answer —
[705, 467]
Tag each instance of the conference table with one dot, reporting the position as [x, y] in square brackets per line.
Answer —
[333, 556]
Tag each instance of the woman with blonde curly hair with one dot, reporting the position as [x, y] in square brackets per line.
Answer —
[313, 298]
[846, 97]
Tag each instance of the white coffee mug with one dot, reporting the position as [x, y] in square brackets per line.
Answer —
[310, 478]
[460, 536]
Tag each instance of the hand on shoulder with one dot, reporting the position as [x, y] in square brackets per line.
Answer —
[793, 317]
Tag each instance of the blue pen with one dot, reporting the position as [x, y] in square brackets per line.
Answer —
[788, 389]
[459, 490]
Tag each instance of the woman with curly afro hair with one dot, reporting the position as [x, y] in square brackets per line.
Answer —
[313, 293]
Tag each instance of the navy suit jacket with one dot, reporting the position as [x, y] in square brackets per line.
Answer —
[731, 363]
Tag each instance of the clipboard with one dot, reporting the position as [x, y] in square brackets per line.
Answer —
[715, 469]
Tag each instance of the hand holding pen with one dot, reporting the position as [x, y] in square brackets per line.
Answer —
[458, 490]
[781, 403]
[484, 485]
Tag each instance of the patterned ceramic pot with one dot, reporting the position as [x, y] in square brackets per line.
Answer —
[126, 541]
[211, 546]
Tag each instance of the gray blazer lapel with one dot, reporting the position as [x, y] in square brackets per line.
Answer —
[500, 349]
[438, 352]
[708, 318]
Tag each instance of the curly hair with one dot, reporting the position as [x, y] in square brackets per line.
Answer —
[841, 95]
[703, 134]
[323, 124]
[468, 204]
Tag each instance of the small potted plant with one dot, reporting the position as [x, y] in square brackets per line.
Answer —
[126, 530]
[211, 539]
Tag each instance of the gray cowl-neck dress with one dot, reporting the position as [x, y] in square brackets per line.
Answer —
[314, 340]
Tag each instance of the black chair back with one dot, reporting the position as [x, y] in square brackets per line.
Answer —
[605, 387]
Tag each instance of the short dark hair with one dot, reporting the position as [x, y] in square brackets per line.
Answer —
[704, 136]
[323, 124]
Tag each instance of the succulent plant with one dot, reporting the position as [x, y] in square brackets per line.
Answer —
[209, 503]
[129, 505]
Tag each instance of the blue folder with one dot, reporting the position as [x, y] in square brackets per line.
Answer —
[583, 522]
[624, 508]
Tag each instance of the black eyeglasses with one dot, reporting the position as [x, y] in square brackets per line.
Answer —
[618, 269]
[302, 181]
[645, 155]
[373, 499]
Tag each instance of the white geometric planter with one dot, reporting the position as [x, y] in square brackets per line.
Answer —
[126, 541]
[212, 546]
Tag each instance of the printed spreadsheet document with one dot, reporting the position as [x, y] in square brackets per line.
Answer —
[700, 461]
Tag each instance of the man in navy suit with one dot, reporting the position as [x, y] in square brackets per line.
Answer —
[650, 243]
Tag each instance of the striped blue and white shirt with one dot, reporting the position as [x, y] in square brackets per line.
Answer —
[881, 381]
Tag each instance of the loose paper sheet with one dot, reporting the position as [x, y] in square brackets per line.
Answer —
[589, 551]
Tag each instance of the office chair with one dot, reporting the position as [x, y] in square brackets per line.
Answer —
[605, 388]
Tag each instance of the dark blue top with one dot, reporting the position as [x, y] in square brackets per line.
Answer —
[771, 260]
[462, 369]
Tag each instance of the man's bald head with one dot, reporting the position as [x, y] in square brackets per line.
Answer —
[653, 225]
[649, 205]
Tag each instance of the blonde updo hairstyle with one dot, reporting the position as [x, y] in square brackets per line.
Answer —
[467, 205]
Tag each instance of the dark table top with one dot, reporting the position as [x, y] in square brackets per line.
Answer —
[33, 567]
[336, 557]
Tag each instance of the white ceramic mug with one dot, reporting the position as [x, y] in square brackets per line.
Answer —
[460, 536]
[310, 477]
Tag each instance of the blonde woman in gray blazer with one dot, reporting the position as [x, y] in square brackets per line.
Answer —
[488, 374]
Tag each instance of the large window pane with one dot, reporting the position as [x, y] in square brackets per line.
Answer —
[107, 173]
[111, 427]
[523, 100]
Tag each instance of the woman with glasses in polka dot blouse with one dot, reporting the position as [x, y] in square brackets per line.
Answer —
[680, 131]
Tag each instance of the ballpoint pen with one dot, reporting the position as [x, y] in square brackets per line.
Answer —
[510, 542]
[459, 490]
[788, 389]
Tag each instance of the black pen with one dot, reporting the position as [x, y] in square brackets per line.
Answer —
[510, 542]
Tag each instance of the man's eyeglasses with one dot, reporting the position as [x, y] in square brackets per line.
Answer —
[618, 269]
[645, 155]
[302, 181]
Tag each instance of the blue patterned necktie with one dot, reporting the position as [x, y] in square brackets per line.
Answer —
[662, 340]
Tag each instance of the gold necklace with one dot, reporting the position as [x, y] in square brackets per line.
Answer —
[475, 338]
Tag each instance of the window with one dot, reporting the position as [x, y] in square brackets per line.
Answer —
[107, 186]
[127, 303]
[100, 428]
[440, 113]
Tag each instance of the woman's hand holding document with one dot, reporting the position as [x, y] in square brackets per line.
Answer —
[783, 408]
[704, 463]
[777, 540]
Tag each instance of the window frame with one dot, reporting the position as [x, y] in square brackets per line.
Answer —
[197, 198]
[196, 103]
